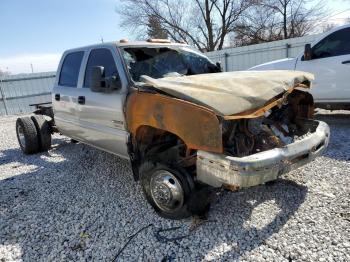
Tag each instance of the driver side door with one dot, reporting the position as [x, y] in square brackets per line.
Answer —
[101, 117]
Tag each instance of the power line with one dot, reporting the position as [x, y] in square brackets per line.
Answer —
[328, 17]
[331, 15]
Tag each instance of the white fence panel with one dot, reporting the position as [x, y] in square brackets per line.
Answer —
[242, 58]
[17, 92]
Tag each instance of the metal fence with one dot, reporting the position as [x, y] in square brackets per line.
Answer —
[17, 92]
[242, 58]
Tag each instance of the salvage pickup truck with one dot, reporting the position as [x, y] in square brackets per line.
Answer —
[181, 122]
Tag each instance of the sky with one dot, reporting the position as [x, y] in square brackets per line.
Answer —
[34, 33]
[38, 31]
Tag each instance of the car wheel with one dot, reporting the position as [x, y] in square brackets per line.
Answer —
[166, 189]
[44, 132]
[27, 135]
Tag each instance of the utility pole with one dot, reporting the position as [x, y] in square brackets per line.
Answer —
[101, 39]
[31, 66]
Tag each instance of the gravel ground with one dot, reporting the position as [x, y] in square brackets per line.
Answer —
[78, 203]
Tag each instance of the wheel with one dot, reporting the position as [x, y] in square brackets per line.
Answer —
[44, 132]
[27, 135]
[166, 189]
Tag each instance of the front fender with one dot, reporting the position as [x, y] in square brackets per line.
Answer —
[197, 126]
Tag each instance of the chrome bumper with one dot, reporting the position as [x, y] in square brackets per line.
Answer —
[218, 169]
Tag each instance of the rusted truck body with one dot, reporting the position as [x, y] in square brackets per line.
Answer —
[184, 124]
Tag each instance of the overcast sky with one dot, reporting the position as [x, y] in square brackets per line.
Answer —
[38, 31]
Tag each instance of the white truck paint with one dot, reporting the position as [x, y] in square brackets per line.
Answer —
[330, 63]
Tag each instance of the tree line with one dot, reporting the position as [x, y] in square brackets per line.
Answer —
[211, 24]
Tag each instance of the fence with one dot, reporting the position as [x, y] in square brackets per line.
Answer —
[17, 92]
[242, 58]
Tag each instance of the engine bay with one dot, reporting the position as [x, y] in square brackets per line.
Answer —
[278, 127]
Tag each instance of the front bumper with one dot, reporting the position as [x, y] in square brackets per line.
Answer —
[236, 172]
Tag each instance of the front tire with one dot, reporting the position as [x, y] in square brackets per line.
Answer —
[27, 135]
[167, 189]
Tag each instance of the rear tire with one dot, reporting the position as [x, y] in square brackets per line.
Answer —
[167, 189]
[43, 130]
[27, 135]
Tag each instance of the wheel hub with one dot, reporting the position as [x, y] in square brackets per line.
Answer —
[166, 191]
[21, 137]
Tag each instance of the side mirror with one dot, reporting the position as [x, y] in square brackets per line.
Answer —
[307, 52]
[100, 83]
[96, 82]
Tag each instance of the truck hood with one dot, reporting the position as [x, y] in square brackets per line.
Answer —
[230, 92]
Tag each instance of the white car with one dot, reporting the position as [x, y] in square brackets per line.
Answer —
[328, 58]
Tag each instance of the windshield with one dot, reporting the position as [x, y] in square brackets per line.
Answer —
[158, 62]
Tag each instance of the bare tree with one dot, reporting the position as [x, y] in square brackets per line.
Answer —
[203, 23]
[155, 29]
[259, 25]
[279, 19]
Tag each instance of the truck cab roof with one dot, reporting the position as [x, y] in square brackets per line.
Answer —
[125, 43]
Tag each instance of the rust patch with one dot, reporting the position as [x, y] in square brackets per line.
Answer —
[197, 126]
[231, 187]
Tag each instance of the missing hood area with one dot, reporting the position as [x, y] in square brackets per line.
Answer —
[230, 93]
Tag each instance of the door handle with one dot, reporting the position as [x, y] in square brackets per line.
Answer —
[81, 100]
[57, 97]
[346, 62]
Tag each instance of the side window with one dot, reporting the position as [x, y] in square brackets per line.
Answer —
[100, 57]
[70, 69]
[337, 43]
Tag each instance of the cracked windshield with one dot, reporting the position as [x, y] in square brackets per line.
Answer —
[164, 61]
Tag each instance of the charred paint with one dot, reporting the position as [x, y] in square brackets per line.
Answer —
[197, 126]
